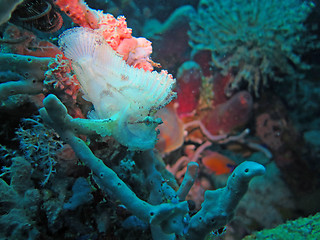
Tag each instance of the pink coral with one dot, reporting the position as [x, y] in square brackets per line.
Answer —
[59, 76]
[135, 51]
[79, 12]
[114, 30]
[140, 56]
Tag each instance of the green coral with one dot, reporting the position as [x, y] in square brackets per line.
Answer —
[302, 228]
[257, 40]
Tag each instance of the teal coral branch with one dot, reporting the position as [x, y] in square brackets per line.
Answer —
[219, 205]
[188, 180]
[31, 69]
[164, 212]
[19, 87]
[55, 114]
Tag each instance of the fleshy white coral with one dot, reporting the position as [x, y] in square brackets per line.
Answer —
[257, 40]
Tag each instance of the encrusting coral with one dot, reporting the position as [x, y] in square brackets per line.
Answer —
[302, 228]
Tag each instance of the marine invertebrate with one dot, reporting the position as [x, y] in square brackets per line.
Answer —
[56, 115]
[39, 145]
[59, 76]
[20, 41]
[302, 228]
[163, 210]
[189, 81]
[79, 12]
[29, 73]
[256, 41]
[39, 15]
[128, 96]
[135, 51]
[226, 116]
[215, 212]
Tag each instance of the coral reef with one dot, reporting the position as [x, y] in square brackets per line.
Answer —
[165, 218]
[123, 150]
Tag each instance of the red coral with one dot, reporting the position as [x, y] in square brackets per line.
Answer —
[226, 116]
[220, 84]
[189, 87]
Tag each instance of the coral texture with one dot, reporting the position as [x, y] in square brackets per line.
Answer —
[302, 228]
[255, 40]
[135, 51]
[163, 210]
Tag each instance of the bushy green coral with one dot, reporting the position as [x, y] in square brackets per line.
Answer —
[302, 228]
[257, 40]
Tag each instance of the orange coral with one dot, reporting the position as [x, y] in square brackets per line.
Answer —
[114, 30]
[79, 12]
[59, 76]
[136, 51]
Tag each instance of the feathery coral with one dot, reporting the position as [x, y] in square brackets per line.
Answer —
[256, 40]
